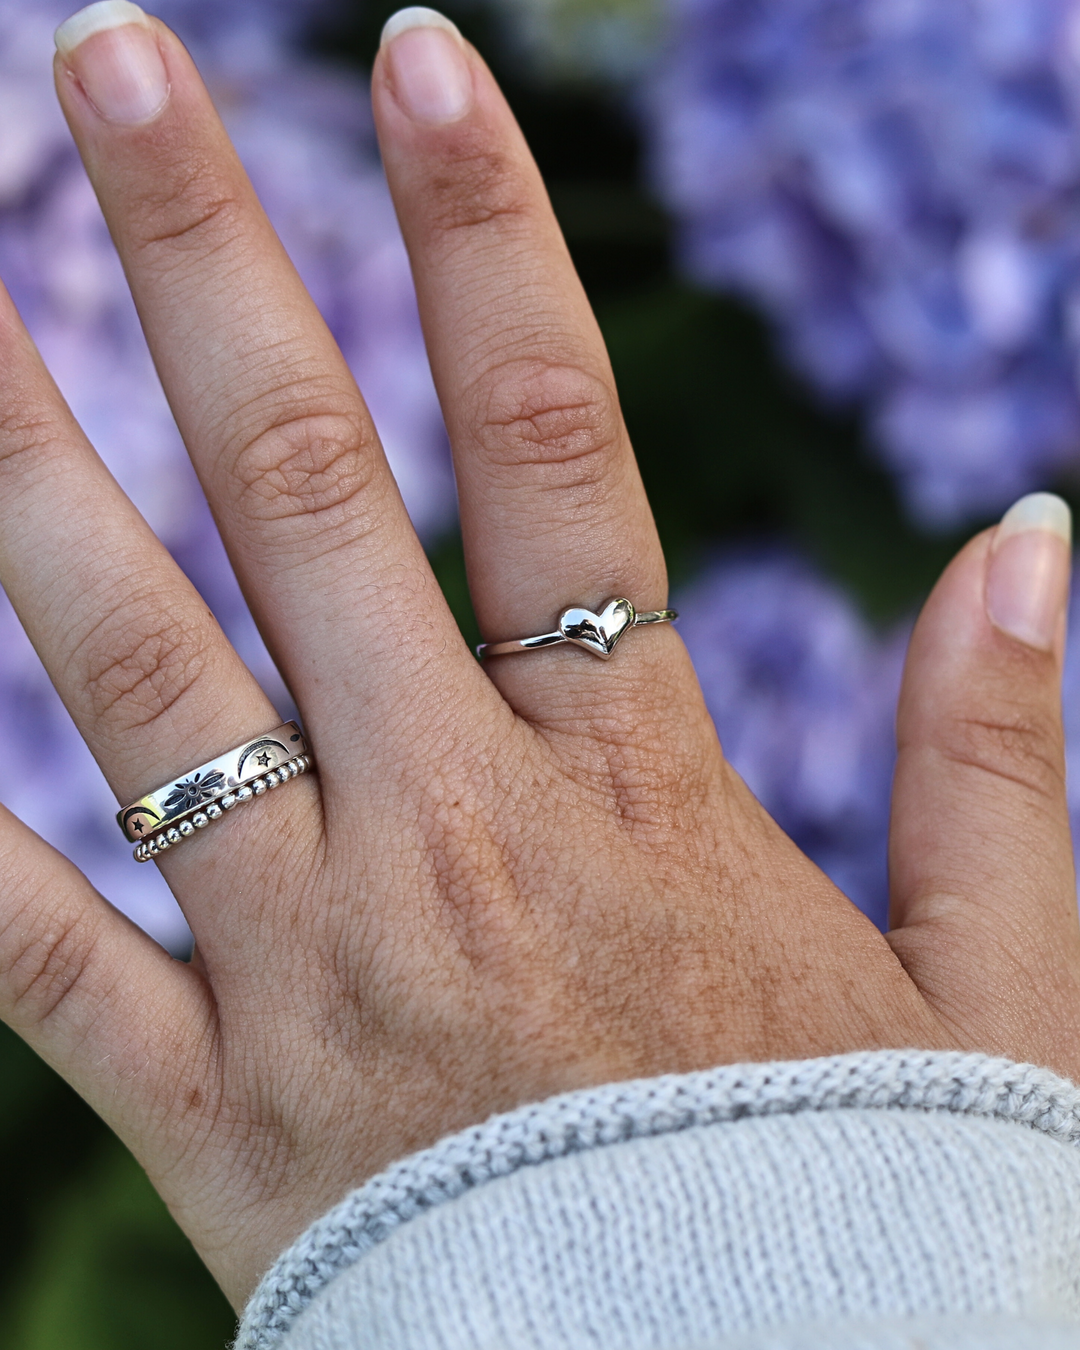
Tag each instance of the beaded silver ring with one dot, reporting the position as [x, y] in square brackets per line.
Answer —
[184, 829]
[171, 814]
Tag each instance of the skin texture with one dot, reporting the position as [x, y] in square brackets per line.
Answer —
[503, 882]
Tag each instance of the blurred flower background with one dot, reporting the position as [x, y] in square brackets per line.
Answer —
[894, 183]
[834, 247]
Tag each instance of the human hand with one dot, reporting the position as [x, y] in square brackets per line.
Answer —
[505, 881]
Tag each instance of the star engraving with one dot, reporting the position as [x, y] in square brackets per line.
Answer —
[263, 759]
[138, 827]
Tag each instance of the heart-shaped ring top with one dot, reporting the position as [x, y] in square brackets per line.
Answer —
[597, 633]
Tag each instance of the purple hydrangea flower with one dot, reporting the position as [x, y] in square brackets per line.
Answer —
[304, 133]
[897, 183]
[803, 694]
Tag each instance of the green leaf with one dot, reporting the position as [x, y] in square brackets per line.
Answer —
[108, 1269]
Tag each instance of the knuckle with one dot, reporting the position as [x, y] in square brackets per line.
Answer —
[138, 664]
[560, 420]
[194, 210]
[29, 433]
[42, 971]
[1021, 745]
[311, 465]
[477, 189]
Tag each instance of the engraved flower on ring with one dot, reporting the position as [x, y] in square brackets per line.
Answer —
[198, 788]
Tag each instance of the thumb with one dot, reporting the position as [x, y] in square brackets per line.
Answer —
[984, 906]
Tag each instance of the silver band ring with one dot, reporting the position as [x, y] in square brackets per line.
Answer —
[597, 633]
[183, 829]
[219, 784]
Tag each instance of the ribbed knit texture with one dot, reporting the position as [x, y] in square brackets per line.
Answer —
[920, 1333]
[674, 1211]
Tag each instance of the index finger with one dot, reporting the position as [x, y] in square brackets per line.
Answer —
[553, 509]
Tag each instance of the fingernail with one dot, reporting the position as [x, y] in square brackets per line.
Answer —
[112, 50]
[1027, 582]
[429, 70]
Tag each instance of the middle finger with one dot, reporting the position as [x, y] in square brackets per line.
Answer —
[277, 429]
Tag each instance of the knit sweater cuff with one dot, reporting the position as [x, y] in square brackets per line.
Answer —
[910, 1083]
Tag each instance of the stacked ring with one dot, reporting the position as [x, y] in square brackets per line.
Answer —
[175, 834]
[172, 813]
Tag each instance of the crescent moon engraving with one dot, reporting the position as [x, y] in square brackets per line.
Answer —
[138, 811]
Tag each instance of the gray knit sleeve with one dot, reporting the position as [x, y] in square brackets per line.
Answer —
[874, 1201]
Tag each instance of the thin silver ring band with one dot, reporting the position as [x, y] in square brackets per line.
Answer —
[209, 782]
[184, 829]
[597, 633]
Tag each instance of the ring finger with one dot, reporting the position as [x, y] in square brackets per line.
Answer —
[148, 676]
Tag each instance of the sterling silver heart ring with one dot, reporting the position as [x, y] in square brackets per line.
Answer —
[597, 633]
